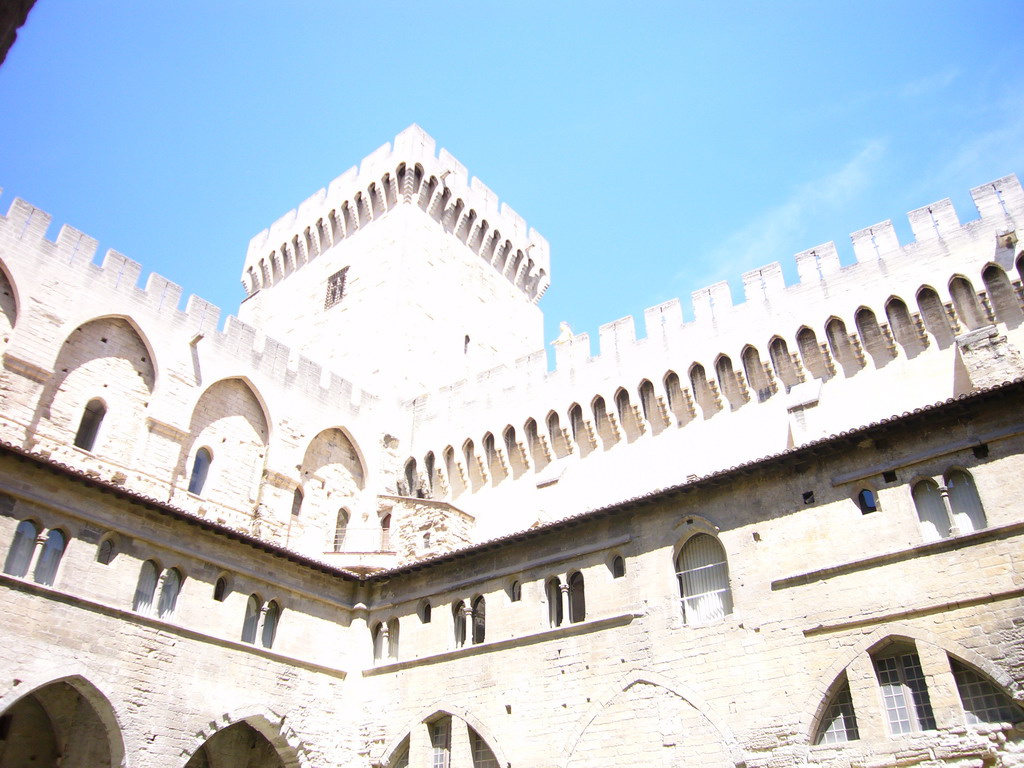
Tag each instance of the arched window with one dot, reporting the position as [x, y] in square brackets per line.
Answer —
[270, 621]
[839, 722]
[576, 423]
[146, 588]
[385, 533]
[410, 480]
[553, 592]
[378, 641]
[982, 699]
[220, 589]
[340, 529]
[89, 426]
[19, 557]
[479, 620]
[618, 567]
[483, 756]
[251, 620]
[904, 690]
[106, 551]
[200, 471]
[931, 511]
[515, 591]
[968, 514]
[646, 393]
[49, 558]
[393, 639]
[425, 612]
[169, 593]
[867, 501]
[297, 502]
[459, 623]
[577, 598]
[703, 580]
[428, 467]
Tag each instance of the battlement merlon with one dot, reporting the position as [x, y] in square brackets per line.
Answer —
[407, 172]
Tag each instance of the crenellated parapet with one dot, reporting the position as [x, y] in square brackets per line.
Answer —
[885, 331]
[409, 172]
[65, 266]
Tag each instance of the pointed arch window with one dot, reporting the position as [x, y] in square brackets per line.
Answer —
[553, 591]
[931, 511]
[340, 530]
[703, 574]
[904, 691]
[968, 513]
[483, 756]
[459, 623]
[89, 426]
[479, 620]
[169, 593]
[839, 722]
[577, 598]
[19, 557]
[49, 558]
[220, 589]
[393, 631]
[982, 699]
[297, 498]
[200, 471]
[251, 620]
[145, 589]
[385, 533]
[378, 641]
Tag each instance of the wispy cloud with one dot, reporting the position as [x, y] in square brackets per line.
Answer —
[772, 232]
[929, 84]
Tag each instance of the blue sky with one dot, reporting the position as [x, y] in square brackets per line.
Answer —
[659, 149]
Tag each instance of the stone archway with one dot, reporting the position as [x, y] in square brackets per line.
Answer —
[56, 725]
[237, 746]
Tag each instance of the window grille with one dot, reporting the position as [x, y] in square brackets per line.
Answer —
[483, 757]
[904, 693]
[335, 288]
[340, 530]
[839, 723]
[983, 701]
[703, 574]
[440, 742]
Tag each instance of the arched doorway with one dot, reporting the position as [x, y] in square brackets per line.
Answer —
[238, 746]
[56, 725]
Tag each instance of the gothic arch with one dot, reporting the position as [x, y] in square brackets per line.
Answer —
[684, 693]
[99, 704]
[826, 679]
[264, 721]
[441, 708]
[10, 302]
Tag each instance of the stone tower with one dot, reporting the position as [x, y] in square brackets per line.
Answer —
[403, 275]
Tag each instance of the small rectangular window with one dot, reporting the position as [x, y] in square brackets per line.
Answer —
[335, 288]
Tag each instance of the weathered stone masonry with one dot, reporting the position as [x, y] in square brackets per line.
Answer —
[367, 526]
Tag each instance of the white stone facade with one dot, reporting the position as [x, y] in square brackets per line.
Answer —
[366, 525]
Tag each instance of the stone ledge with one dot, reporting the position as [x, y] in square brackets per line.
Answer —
[135, 618]
[922, 550]
[580, 628]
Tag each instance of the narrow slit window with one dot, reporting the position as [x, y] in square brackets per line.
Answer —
[89, 426]
[200, 471]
